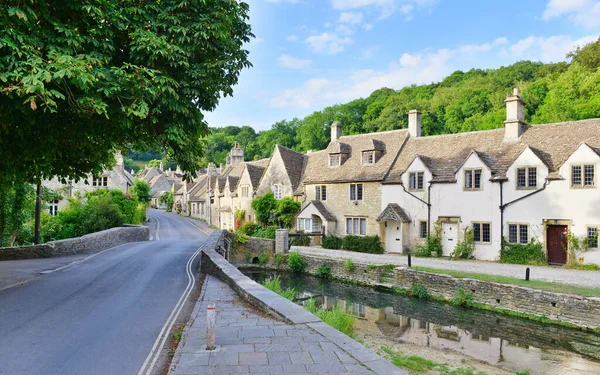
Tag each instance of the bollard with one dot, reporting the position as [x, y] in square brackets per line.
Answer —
[527, 274]
[409, 261]
[210, 328]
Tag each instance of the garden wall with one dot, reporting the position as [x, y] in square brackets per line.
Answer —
[244, 253]
[88, 244]
[582, 311]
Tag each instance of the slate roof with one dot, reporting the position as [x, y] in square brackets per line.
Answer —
[393, 212]
[323, 210]
[256, 169]
[293, 162]
[444, 154]
[317, 168]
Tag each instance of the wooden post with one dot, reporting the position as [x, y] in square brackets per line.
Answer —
[211, 316]
[38, 210]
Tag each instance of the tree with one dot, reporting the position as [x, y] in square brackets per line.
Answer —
[141, 190]
[265, 208]
[167, 199]
[16, 207]
[92, 76]
[287, 209]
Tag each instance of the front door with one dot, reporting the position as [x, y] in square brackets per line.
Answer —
[449, 238]
[393, 237]
[556, 244]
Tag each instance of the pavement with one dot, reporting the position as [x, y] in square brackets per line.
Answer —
[97, 316]
[543, 273]
[253, 342]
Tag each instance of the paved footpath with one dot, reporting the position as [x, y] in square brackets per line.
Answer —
[254, 343]
[554, 274]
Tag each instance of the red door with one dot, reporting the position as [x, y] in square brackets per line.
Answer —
[556, 243]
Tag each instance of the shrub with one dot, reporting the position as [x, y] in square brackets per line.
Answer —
[465, 248]
[324, 271]
[296, 263]
[463, 298]
[268, 232]
[331, 242]
[274, 285]
[531, 253]
[364, 244]
[419, 291]
[302, 240]
[349, 265]
[280, 259]
[248, 229]
[242, 238]
[433, 243]
[263, 259]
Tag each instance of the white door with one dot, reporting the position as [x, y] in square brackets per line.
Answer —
[393, 237]
[449, 238]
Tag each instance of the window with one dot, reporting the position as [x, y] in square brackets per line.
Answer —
[482, 232]
[416, 180]
[53, 207]
[368, 157]
[583, 175]
[356, 192]
[526, 178]
[335, 160]
[321, 193]
[277, 191]
[518, 233]
[245, 191]
[592, 237]
[473, 179]
[100, 181]
[356, 226]
[305, 225]
[423, 229]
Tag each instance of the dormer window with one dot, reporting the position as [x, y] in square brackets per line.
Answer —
[277, 191]
[100, 181]
[473, 179]
[368, 157]
[583, 175]
[335, 160]
[527, 178]
[416, 180]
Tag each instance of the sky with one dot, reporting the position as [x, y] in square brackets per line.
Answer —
[309, 54]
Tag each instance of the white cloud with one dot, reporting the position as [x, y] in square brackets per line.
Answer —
[500, 41]
[368, 27]
[584, 13]
[350, 17]
[385, 7]
[344, 29]
[282, 1]
[291, 38]
[328, 43]
[290, 62]
[368, 53]
[550, 49]
[303, 96]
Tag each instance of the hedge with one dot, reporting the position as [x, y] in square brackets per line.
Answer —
[363, 244]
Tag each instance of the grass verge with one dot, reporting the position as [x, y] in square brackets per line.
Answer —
[534, 284]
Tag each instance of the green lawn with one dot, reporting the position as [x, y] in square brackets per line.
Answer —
[542, 285]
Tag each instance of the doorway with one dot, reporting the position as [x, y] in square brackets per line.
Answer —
[449, 238]
[556, 244]
[393, 237]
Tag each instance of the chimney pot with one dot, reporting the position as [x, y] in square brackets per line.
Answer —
[515, 116]
[414, 123]
[336, 131]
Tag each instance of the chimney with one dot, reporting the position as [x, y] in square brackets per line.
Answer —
[119, 158]
[515, 116]
[236, 156]
[414, 123]
[211, 170]
[336, 131]
[161, 166]
[178, 170]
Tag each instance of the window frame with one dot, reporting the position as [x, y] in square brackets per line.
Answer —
[357, 197]
[245, 191]
[472, 172]
[321, 193]
[277, 189]
[423, 229]
[410, 179]
[100, 181]
[370, 155]
[582, 176]
[518, 228]
[339, 160]
[591, 241]
[527, 183]
[357, 224]
[481, 232]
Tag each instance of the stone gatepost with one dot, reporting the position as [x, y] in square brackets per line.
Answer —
[281, 241]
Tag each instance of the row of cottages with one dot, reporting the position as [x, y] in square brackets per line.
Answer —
[519, 183]
[117, 178]
[160, 182]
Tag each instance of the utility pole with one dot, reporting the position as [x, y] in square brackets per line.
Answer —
[38, 209]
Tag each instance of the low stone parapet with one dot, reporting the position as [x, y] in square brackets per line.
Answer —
[88, 244]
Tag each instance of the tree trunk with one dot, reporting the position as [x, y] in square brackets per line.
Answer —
[38, 211]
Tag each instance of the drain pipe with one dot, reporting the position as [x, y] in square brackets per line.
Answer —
[428, 204]
[504, 205]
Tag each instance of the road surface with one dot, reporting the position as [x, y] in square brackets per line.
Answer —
[101, 316]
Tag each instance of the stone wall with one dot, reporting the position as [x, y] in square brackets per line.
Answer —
[88, 244]
[582, 311]
[243, 253]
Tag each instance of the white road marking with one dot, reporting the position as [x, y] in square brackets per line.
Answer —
[150, 361]
[156, 236]
[197, 227]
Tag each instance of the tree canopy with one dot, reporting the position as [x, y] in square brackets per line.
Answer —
[79, 79]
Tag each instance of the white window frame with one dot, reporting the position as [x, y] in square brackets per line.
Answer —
[472, 172]
[304, 223]
[101, 181]
[245, 191]
[588, 234]
[414, 176]
[480, 239]
[368, 157]
[321, 193]
[354, 190]
[335, 160]
[277, 191]
[519, 227]
[529, 182]
[53, 207]
[356, 226]
[583, 169]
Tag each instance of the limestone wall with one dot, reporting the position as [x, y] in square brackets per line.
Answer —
[243, 253]
[88, 244]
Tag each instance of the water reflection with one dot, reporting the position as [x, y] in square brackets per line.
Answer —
[507, 342]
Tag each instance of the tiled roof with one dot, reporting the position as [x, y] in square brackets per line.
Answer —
[317, 168]
[444, 154]
[256, 169]
[293, 162]
[395, 213]
[323, 210]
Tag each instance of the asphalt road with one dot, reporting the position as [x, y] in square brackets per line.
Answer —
[101, 316]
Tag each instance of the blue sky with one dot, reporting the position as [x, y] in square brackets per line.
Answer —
[309, 54]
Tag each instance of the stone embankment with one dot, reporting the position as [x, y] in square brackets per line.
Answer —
[88, 244]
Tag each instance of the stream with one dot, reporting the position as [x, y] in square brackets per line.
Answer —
[502, 341]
